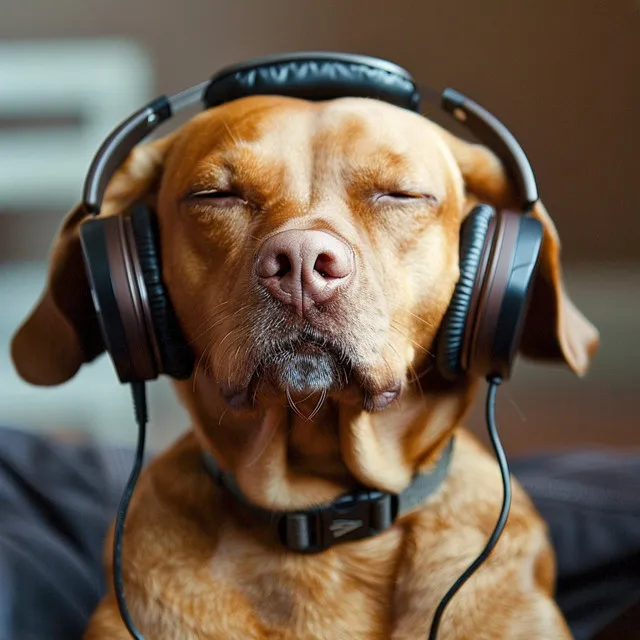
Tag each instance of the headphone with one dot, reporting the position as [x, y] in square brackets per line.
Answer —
[498, 255]
[499, 251]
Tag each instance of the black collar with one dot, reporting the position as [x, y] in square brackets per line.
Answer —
[361, 513]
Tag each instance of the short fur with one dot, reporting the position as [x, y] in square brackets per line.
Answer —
[197, 565]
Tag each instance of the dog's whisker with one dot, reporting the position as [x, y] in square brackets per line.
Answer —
[397, 325]
[416, 378]
[265, 446]
[426, 322]
[243, 341]
[306, 397]
[257, 386]
[219, 321]
[235, 340]
[241, 308]
[204, 353]
[429, 369]
[229, 333]
[411, 340]
[211, 313]
[293, 406]
[323, 395]
[412, 371]
[242, 346]
[212, 326]
[237, 353]
[388, 366]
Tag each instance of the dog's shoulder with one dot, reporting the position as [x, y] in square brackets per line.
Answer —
[468, 505]
[176, 489]
[444, 537]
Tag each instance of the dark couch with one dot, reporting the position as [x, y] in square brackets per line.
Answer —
[56, 501]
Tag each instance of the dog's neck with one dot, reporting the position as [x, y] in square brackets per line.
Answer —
[355, 515]
[283, 461]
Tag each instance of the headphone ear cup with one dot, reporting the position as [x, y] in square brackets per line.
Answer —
[504, 289]
[175, 355]
[473, 240]
[118, 297]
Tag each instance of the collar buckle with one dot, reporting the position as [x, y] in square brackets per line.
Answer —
[353, 516]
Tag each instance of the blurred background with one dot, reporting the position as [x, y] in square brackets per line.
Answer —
[563, 75]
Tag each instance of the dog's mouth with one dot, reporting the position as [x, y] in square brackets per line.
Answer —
[300, 365]
[307, 364]
[304, 365]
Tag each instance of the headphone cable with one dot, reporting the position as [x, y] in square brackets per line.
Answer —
[139, 393]
[498, 449]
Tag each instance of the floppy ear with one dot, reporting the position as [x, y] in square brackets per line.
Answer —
[554, 330]
[62, 332]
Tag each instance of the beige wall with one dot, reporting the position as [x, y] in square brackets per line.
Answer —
[563, 74]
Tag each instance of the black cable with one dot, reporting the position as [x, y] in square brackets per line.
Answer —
[140, 404]
[494, 383]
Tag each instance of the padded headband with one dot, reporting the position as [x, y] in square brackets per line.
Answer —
[315, 76]
[312, 76]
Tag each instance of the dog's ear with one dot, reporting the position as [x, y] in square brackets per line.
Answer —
[555, 329]
[61, 332]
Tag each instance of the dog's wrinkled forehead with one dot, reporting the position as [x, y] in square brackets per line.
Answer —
[294, 145]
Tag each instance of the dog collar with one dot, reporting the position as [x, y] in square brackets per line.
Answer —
[361, 513]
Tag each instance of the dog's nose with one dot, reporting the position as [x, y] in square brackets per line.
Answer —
[300, 267]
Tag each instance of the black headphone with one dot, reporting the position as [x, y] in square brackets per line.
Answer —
[499, 251]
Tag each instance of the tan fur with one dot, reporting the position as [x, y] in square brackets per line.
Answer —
[197, 565]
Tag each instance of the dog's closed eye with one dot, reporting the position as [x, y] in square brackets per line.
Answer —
[219, 197]
[395, 197]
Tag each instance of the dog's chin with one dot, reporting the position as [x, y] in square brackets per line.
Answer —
[304, 373]
[290, 376]
[309, 369]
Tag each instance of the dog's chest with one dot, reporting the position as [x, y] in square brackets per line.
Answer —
[236, 587]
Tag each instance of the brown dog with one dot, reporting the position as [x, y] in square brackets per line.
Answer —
[376, 196]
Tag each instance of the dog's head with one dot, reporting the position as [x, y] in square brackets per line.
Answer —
[310, 251]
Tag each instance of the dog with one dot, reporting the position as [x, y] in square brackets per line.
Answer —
[310, 251]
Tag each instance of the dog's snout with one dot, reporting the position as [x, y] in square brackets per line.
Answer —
[299, 267]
